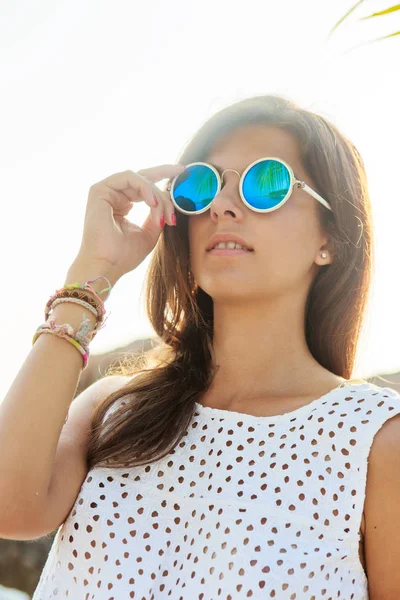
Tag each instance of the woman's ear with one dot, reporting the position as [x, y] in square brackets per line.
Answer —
[324, 255]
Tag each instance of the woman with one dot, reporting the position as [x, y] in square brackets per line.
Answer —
[231, 461]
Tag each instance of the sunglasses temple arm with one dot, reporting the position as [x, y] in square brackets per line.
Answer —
[311, 192]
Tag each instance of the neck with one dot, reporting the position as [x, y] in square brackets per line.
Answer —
[261, 350]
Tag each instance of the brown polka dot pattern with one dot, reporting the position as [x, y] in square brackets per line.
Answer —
[243, 507]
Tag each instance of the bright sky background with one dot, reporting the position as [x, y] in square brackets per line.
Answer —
[89, 88]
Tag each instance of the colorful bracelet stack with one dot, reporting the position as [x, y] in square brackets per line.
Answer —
[75, 293]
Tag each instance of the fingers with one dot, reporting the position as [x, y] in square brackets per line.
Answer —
[165, 208]
[132, 185]
[164, 213]
[155, 174]
[140, 185]
[136, 187]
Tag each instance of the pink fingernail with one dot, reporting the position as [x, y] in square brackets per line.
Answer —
[155, 200]
[162, 221]
[173, 218]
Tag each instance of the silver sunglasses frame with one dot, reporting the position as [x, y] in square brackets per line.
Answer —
[293, 182]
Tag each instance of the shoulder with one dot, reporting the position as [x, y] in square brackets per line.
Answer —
[372, 403]
[385, 434]
[382, 515]
[108, 385]
[386, 442]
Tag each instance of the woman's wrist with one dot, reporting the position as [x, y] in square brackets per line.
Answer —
[81, 271]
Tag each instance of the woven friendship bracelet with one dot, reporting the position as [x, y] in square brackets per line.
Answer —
[75, 301]
[77, 294]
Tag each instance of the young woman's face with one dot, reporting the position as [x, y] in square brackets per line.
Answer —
[287, 242]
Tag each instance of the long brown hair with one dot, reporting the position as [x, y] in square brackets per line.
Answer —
[151, 413]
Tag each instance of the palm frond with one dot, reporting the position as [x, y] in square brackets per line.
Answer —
[345, 16]
[372, 41]
[382, 12]
[387, 36]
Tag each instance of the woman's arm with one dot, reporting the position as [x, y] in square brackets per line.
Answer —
[382, 513]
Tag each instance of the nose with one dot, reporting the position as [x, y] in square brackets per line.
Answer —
[228, 198]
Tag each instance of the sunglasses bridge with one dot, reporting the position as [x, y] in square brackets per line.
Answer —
[298, 184]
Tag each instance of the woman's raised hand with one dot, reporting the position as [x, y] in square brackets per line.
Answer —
[111, 240]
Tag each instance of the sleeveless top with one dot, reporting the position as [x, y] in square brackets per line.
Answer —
[242, 507]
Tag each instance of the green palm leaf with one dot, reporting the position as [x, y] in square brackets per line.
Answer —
[345, 16]
[380, 13]
[385, 37]
[203, 183]
[383, 12]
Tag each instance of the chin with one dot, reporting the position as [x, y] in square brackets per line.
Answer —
[228, 288]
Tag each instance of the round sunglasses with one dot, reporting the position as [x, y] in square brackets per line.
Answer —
[264, 186]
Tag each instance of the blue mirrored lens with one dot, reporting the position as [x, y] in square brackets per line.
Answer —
[266, 184]
[195, 188]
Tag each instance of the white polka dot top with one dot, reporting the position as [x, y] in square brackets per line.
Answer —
[243, 507]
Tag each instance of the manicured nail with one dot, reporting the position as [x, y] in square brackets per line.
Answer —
[162, 221]
[155, 200]
[173, 218]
